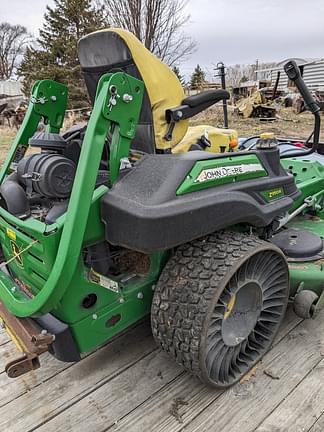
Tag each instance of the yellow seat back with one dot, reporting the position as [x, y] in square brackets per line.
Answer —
[114, 49]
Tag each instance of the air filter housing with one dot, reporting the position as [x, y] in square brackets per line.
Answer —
[47, 174]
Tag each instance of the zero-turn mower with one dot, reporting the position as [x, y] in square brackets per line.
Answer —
[129, 216]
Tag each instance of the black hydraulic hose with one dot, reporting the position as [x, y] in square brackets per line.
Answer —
[316, 133]
[317, 130]
[310, 137]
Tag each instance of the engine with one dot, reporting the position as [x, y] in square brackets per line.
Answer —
[41, 184]
[46, 175]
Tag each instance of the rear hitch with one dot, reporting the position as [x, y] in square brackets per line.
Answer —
[22, 365]
[29, 338]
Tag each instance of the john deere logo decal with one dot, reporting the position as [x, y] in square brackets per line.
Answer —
[16, 253]
[228, 171]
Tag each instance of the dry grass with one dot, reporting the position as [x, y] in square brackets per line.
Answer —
[8, 134]
[6, 137]
[288, 124]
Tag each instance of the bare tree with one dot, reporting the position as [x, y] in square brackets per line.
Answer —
[238, 73]
[157, 23]
[13, 40]
[234, 75]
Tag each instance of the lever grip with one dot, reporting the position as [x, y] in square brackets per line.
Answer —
[293, 73]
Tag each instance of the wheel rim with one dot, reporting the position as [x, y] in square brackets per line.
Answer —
[246, 317]
[241, 313]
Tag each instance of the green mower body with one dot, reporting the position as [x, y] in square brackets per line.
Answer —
[86, 240]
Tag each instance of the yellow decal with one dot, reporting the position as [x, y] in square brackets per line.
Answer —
[275, 193]
[103, 281]
[11, 234]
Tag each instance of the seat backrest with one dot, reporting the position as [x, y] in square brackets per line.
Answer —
[112, 50]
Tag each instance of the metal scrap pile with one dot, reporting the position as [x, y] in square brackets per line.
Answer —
[257, 105]
[12, 117]
[294, 100]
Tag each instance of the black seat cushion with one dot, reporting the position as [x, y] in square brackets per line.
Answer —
[208, 96]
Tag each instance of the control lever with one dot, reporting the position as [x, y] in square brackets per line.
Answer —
[293, 72]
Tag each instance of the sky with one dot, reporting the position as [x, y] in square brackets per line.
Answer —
[232, 31]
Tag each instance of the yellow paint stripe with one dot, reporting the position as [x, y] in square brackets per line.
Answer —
[18, 342]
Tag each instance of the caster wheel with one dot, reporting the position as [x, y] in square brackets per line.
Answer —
[219, 303]
[304, 303]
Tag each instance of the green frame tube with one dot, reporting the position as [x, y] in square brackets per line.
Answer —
[121, 116]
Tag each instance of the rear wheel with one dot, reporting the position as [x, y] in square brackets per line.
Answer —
[219, 303]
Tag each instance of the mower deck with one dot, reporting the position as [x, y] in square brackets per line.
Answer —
[129, 385]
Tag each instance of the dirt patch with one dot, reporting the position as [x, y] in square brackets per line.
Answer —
[132, 261]
[175, 407]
